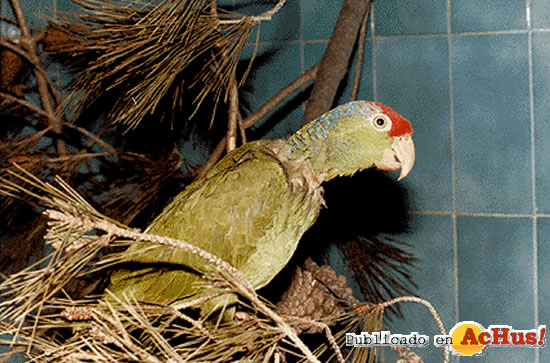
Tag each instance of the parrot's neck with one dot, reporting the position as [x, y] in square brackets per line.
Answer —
[328, 159]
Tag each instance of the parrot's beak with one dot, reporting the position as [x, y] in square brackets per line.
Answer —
[400, 155]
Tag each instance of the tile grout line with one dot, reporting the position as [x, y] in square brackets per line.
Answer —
[302, 43]
[533, 166]
[531, 107]
[481, 214]
[536, 280]
[438, 35]
[373, 40]
[467, 34]
[453, 158]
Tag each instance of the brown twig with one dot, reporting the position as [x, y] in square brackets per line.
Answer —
[30, 141]
[335, 61]
[76, 157]
[7, 20]
[433, 311]
[92, 137]
[29, 43]
[242, 130]
[197, 324]
[28, 105]
[5, 357]
[360, 55]
[273, 102]
[324, 328]
[302, 80]
[213, 158]
[266, 16]
[233, 115]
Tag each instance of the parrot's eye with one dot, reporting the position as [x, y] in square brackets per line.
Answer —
[381, 122]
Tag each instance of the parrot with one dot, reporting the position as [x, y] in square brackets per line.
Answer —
[253, 206]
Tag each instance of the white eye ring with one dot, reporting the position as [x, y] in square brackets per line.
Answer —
[381, 122]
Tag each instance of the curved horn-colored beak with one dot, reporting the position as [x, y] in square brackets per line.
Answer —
[400, 155]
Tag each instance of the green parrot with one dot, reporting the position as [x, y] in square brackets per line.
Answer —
[254, 205]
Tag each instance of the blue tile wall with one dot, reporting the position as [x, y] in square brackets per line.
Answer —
[540, 14]
[318, 18]
[541, 78]
[473, 76]
[543, 274]
[487, 15]
[488, 271]
[410, 17]
[491, 108]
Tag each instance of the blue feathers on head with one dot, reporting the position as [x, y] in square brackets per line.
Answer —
[319, 128]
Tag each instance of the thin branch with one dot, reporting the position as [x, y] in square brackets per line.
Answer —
[213, 158]
[20, 18]
[28, 105]
[326, 329]
[268, 14]
[302, 80]
[360, 55]
[8, 20]
[258, 18]
[197, 324]
[5, 357]
[406, 354]
[233, 115]
[430, 307]
[40, 74]
[242, 130]
[31, 140]
[273, 102]
[75, 157]
[92, 137]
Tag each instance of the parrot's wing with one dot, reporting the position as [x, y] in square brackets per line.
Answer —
[250, 210]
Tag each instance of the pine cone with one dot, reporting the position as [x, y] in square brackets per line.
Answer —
[316, 293]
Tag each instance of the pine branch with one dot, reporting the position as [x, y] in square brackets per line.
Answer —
[147, 53]
[381, 267]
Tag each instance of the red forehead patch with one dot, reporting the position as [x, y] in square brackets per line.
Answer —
[400, 126]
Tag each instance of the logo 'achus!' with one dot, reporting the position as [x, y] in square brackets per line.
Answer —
[469, 338]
